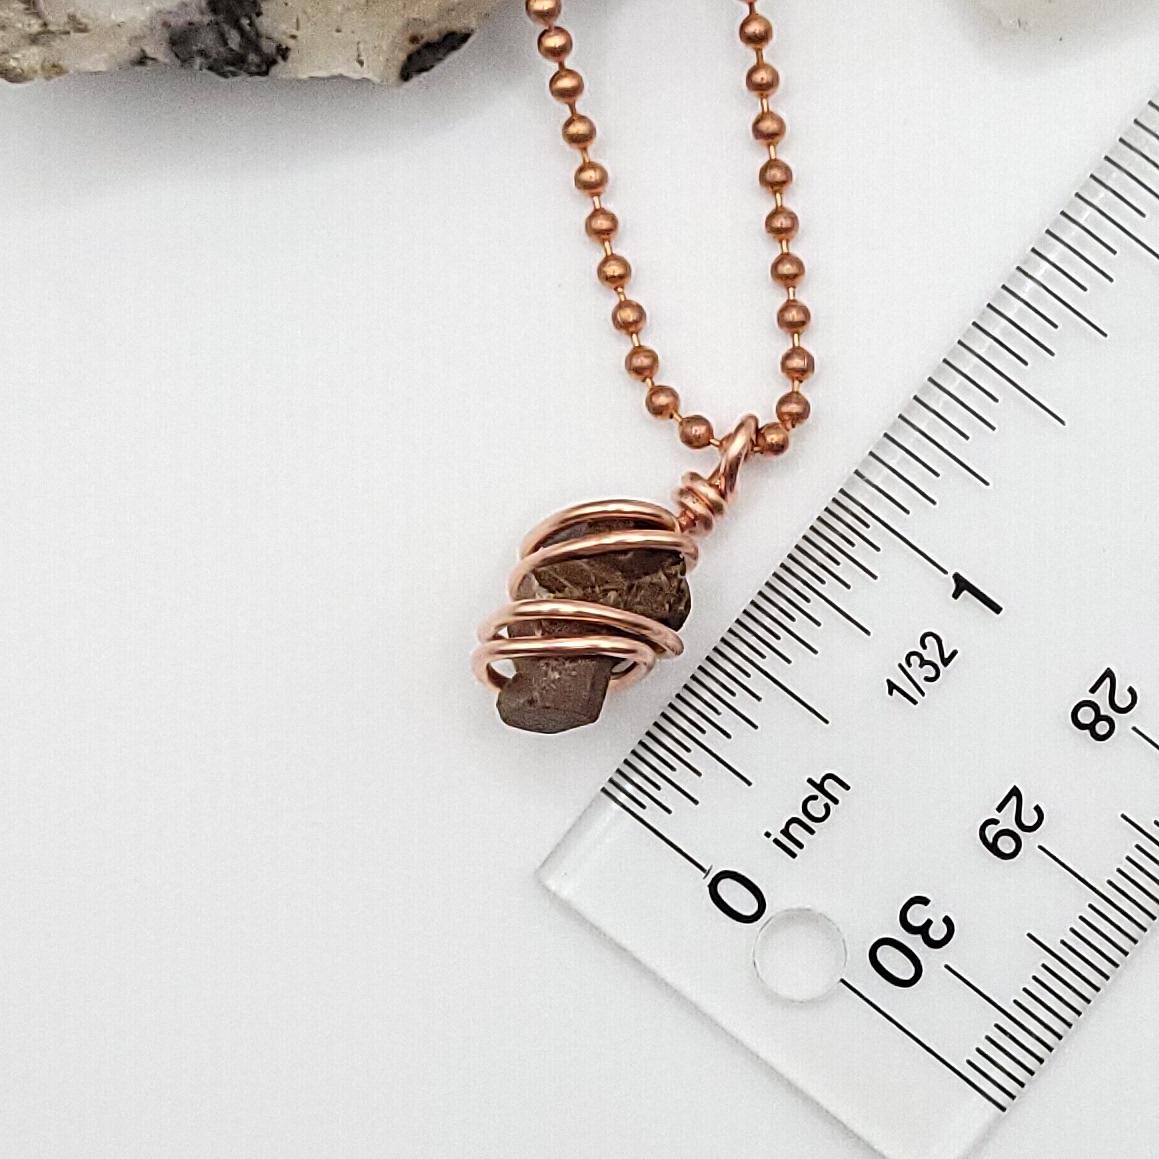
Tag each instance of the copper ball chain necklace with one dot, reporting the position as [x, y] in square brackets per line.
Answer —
[600, 589]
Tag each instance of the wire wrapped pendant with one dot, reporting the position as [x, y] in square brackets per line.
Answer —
[598, 596]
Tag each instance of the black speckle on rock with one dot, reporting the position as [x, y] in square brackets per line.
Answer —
[427, 55]
[226, 40]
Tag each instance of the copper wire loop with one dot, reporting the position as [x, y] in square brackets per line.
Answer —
[633, 641]
[703, 501]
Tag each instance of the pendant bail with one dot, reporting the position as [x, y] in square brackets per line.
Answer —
[700, 501]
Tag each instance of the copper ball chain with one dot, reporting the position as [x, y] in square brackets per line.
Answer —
[614, 271]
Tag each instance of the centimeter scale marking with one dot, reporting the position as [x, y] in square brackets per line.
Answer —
[807, 607]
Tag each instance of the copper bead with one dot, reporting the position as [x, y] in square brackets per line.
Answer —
[788, 269]
[602, 224]
[614, 271]
[543, 11]
[776, 175]
[642, 362]
[793, 409]
[555, 44]
[695, 431]
[591, 178]
[662, 401]
[629, 317]
[769, 128]
[566, 85]
[579, 131]
[755, 31]
[797, 364]
[793, 316]
[782, 223]
[772, 439]
[762, 79]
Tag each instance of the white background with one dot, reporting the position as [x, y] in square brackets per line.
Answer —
[286, 371]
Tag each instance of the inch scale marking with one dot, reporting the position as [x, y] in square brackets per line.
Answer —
[936, 723]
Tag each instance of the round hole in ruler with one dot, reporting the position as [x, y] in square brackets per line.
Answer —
[800, 955]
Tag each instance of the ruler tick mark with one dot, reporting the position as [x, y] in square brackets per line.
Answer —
[794, 696]
[711, 661]
[1064, 1021]
[1083, 998]
[1104, 935]
[1093, 888]
[765, 598]
[1019, 1004]
[656, 833]
[1132, 176]
[946, 451]
[882, 491]
[904, 478]
[835, 606]
[644, 792]
[1139, 153]
[1022, 1066]
[700, 681]
[924, 1045]
[643, 746]
[1063, 1002]
[1061, 269]
[1138, 885]
[613, 783]
[1063, 302]
[971, 380]
[1078, 254]
[679, 788]
[700, 744]
[820, 544]
[1013, 382]
[1085, 960]
[1067, 216]
[1143, 736]
[1120, 226]
[933, 410]
[899, 535]
[1096, 950]
[990, 1079]
[976, 414]
[1139, 867]
[1000, 344]
[1070, 966]
[1140, 830]
[1038, 1058]
[912, 454]
[838, 548]
[799, 554]
[779, 577]
[748, 631]
[1021, 329]
[954, 973]
[845, 523]
[1115, 193]
[1132, 899]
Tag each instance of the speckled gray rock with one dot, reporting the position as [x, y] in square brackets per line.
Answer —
[380, 40]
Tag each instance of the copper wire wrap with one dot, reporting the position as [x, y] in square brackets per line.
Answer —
[700, 501]
[633, 641]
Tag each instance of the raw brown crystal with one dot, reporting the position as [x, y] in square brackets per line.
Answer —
[549, 695]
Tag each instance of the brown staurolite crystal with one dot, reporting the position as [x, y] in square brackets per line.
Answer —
[555, 695]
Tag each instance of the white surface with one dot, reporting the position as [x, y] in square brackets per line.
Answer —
[266, 856]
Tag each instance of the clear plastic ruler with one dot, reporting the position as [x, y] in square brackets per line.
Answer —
[898, 831]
